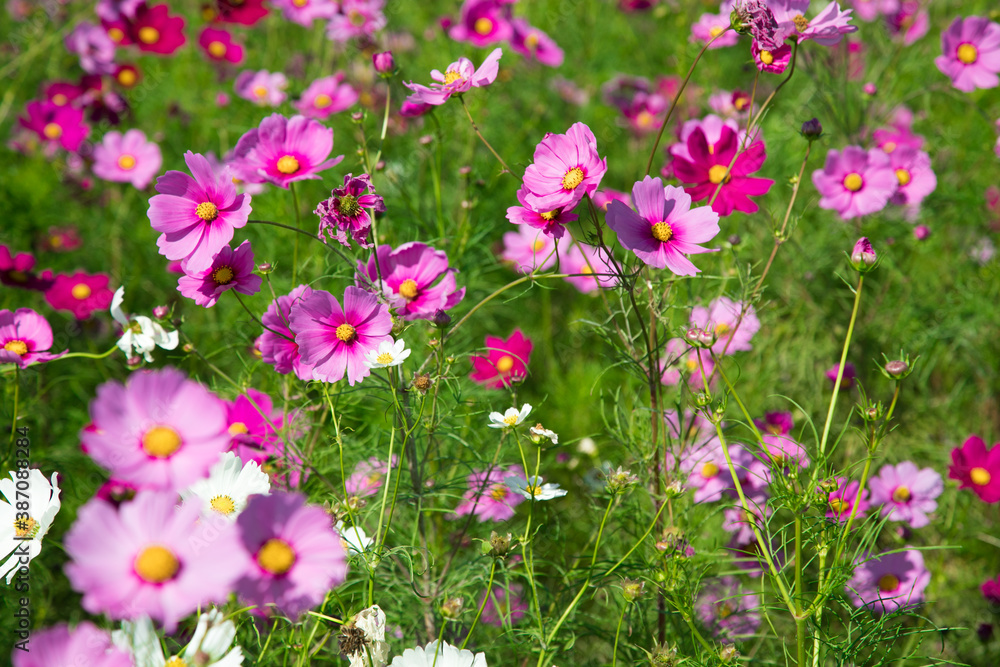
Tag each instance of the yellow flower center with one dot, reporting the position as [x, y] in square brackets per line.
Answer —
[126, 162]
[287, 164]
[719, 173]
[510, 420]
[156, 564]
[766, 57]
[538, 246]
[709, 470]
[838, 505]
[384, 358]
[260, 92]
[149, 35]
[505, 363]
[276, 556]
[408, 289]
[644, 119]
[60, 100]
[889, 146]
[980, 476]
[116, 34]
[81, 291]
[498, 492]
[207, 211]
[19, 276]
[662, 232]
[161, 441]
[888, 583]
[223, 504]
[25, 528]
[548, 215]
[18, 347]
[346, 332]
[300, 3]
[483, 26]
[586, 269]
[774, 429]
[721, 328]
[126, 77]
[533, 490]
[176, 661]
[223, 275]
[691, 364]
[968, 54]
[901, 494]
[451, 76]
[531, 40]
[853, 181]
[216, 49]
[238, 428]
[903, 176]
[572, 178]
[716, 31]
[357, 18]
[322, 101]
[801, 23]
[52, 131]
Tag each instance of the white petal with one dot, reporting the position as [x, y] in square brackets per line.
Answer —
[116, 307]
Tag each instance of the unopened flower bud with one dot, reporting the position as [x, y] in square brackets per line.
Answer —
[812, 129]
[728, 654]
[735, 240]
[384, 63]
[921, 232]
[828, 486]
[619, 479]
[134, 362]
[870, 88]
[188, 347]
[498, 546]
[265, 268]
[632, 590]
[664, 657]
[707, 338]
[452, 608]
[863, 256]
[897, 368]
[702, 399]
[358, 116]
[441, 318]
[160, 312]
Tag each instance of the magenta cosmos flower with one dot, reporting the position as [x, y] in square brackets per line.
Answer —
[906, 493]
[296, 556]
[482, 22]
[219, 46]
[840, 503]
[127, 158]
[505, 606]
[409, 274]
[334, 340]
[251, 421]
[277, 344]
[489, 497]
[915, 175]
[356, 19]
[343, 215]
[722, 316]
[977, 469]
[284, 150]
[970, 53]
[991, 590]
[143, 431]
[85, 644]
[534, 44]
[506, 361]
[327, 96]
[551, 222]
[262, 87]
[230, 270]
[889, 582]
[531, 250]
[150, 557]
[197, 215]
[155, 31]
[566, 167]
[80, 293]
[460, 77]
[855, 182]
[707, 471]
[16, 271]
[25, 338]
[55, 124]
[665, 228]
[711, 26]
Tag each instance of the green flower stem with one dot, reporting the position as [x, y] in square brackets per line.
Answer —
[840, 370]
[618, 631]
[87, 355]
[482, 605]
[481, 137]
[298, 224]
[17, 395]
[640, 541]
[697, 635]
[800, 620]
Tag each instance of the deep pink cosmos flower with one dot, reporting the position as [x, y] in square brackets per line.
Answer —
[25, 338]
[80, 293]
[906, 493]
[197, 215]
[251, 420]
[356, 19]
[531, 250]
[327, 96]
[566, 167]
[505, 606]
[230, 269]
[977, 469]
[534, 44]
[970, 53]
[95, 49]
[506, 361]
[847, 379]
[284, 150]
[15, 271]
[296, 556]
[826, 28]
[855, 182]
[483, 22]
[550, 222]
[991, 590]
[409, 274]
[343, 215]
[277, 343]
[85, 644]
[155, 31]
[460, 77]
[128, 158]
[889, 582]
[219, 46]
[840, 503]
[915, 175]
[334, 340]
[263, 88]
[587, 260]
[113, 10]
[489, 497]
[150, 557]
[144, 432]
[55, 124]
[704, 163]
[775, 423]
[665, 228]
[243, 12]
[304, 12]
[774, 61]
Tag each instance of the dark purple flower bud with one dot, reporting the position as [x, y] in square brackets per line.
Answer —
[441, 318]
[812, 129]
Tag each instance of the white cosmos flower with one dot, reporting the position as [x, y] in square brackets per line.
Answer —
[353, 537]
[511, 418]
[533, 488]
[228, 486]
[209, 647]
[388, 354]
[367, 633]
[43, 505]
[438, 654]
[141, 333]
[539, 433]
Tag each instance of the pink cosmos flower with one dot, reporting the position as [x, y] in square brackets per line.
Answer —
[243, 12]
[604, 197]
[296, 556]
[566, 167]
[775, 423]
[665, 228]
[85, 644]
[847, 379]
[506, 361]
[970, 53]
[284, 150]
[977, 468]
[460, 77]
[356, 19]
[127, 158]
[61, 93]
[230, 269]
[587, 260]
[531, 250]
[327, 96]
[740, 523]
[334, 340]
[503, 606]
[219, 46]
[143, 431]
[906, 493]
[534, 44]
[889, 582]
[343, 215]
[304, 12]
[707, 471]
[780, 452]
[483, 22]
[826, 28]
[154, 30]
[869, 10]
[408, 276]
[25, 338]
[840, 503]
[724, 607]
[489, 497]
[113, 10]
[991, 590]
[855, 182]
[277, 343]
[263, 88]
[774, 61]
[95, 49]
[899, 133]
[368, 477]
[915, 175]
[679, 358]
[550, 222]
[80, 293]
[911, 21]
[251, 421]
[55, 124]
[15, 271]
[710, 26]
[197, 215]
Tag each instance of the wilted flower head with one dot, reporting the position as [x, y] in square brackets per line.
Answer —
[618, 479]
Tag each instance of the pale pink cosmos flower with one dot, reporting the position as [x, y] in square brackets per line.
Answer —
[710, 26]
[855, 182]
[277, 344]
[327, 96]
[722, 316]
[679, 358]
[707, 471]
[899, 134]
[826, 28]
[410, 280]
[915, 175]
[25, 338]
[128, 158]
[460, 77]
[284, 150]
[869, 10]
[911, 21]
[531, 250]
[489, 498]
[589, 261]
[95, 49]
[889, 582]
[368, 477]
[970, 53]
[85, 644]
[356, 19]
[304, 12]
[230, 270]
[262, 87]
[906, 493]
[504, 606]
[565, 168]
